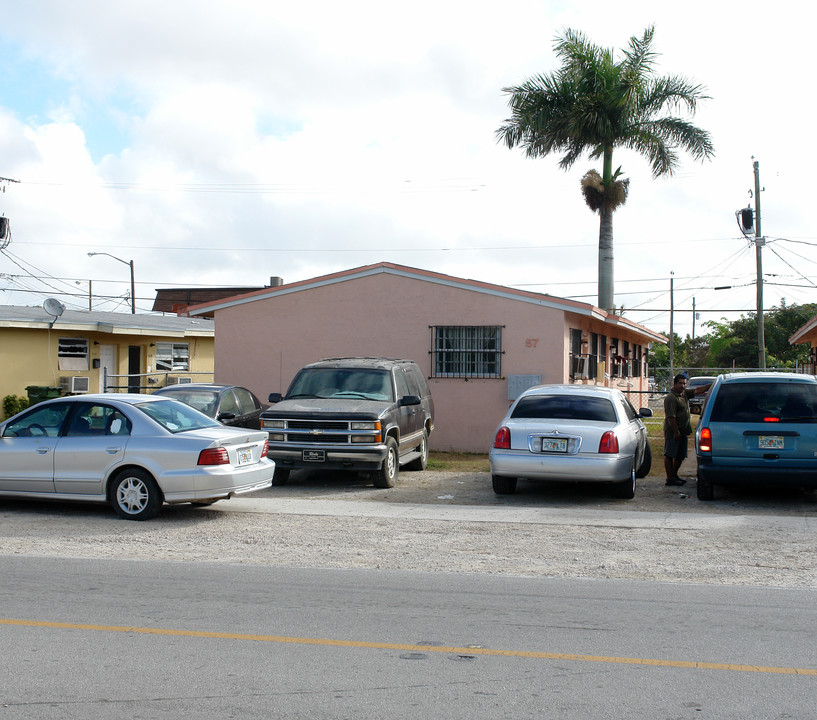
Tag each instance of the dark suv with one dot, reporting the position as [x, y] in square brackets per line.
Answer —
[367, 414]
[758, 428]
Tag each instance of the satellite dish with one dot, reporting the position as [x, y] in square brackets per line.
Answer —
[53, 307]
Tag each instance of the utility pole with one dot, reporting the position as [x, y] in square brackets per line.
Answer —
[693, 318]
[759, 242]
[671, 325]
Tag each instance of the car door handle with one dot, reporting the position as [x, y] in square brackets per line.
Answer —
[42, 450]
[113, 450]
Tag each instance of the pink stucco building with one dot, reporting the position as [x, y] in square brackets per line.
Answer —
[479, 344]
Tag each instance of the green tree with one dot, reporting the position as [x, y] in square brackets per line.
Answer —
[734, 343]
[595, 103]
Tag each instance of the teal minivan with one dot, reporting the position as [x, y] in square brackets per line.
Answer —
[758, 429]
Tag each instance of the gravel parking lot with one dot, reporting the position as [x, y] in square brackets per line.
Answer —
[665, 534]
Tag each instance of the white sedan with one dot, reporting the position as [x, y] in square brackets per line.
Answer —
[134, 451]
[573, 433]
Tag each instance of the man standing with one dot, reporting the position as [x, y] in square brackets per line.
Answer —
[678, 426]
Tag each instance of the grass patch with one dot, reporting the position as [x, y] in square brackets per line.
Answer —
[459, 462]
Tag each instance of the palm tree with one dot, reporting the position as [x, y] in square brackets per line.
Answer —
[594, 103]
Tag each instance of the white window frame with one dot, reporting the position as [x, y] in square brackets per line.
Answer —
[178, 355]
[72, 354]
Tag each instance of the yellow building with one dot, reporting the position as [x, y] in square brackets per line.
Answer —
[89, 351]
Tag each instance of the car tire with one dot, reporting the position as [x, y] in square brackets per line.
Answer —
[280, 476]
[386, 476]
[625, 489]
[646, 463]
[135, 495]
[420, 463]
[503, 485]
[705, 489]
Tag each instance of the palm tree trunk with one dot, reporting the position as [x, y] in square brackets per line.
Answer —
[606, 295]
[606, 298]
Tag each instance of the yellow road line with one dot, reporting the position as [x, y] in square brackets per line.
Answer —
[692, 664]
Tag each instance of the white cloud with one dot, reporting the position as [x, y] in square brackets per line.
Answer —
[292, 139]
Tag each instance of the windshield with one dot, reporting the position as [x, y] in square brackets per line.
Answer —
[176, 417]
[342, 383]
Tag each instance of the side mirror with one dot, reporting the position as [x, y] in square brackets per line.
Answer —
[225, 416]
[409, 400]
[644, 412]
[274, 397]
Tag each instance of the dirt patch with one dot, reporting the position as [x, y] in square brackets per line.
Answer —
[452, 487]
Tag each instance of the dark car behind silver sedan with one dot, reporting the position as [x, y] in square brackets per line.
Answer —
[231, 405]
[571, 433]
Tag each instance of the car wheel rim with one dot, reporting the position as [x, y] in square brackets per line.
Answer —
[391, 463]
[132, 496]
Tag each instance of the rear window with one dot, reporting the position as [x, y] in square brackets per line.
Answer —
[175, 416]
[565, 407]
[755, 402]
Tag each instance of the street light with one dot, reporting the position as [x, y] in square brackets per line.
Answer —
[90, 294]
[132, 284]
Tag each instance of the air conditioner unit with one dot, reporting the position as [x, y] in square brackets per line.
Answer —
[74, 385]
[80, 384]
[179, 380]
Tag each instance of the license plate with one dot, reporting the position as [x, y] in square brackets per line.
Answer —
[554, 445]
[314, 455]
[770, 442]
[244, 456]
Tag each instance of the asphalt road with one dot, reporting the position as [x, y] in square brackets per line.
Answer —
[124, 639]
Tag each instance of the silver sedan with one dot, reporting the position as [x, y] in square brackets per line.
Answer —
[134, 451]
[573, 433]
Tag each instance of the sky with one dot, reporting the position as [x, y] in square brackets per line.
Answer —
[221, 143]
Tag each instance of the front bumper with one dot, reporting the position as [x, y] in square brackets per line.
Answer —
[363, 457]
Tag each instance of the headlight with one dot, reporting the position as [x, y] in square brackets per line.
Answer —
[277, 437]
[366, 425]
[275, 424]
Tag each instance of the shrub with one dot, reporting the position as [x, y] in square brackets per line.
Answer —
[12, 404]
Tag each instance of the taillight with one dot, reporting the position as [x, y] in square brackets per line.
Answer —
[705, 440]
[265, 449]
[608, 443]
[503, 439]
[214, 456]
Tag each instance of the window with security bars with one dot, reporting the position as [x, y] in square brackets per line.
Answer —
[172, 357]
[467, 351]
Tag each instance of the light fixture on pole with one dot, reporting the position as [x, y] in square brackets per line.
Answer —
[132, 283]
[90, 295]
[746, 221]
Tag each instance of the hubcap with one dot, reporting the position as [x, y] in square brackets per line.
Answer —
[132, 495]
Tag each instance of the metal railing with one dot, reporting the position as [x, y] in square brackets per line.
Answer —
[146, 382]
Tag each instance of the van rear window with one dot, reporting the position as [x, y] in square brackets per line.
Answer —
[755, 402]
